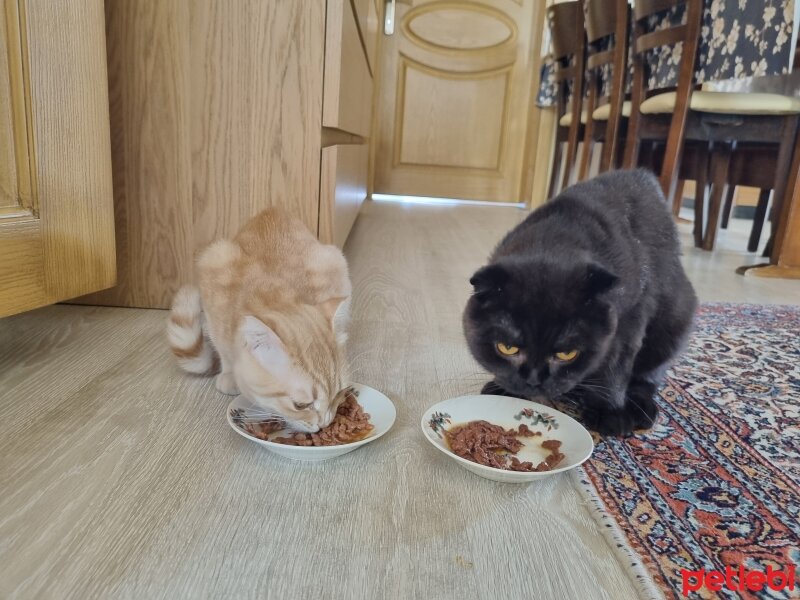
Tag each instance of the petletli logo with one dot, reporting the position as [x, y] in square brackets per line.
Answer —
[739, 579]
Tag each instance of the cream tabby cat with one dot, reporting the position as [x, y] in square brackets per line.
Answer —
[263, 317]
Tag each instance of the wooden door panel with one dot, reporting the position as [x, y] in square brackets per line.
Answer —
[56, 212]
[16, 199]
[429, 132]
[22, 278]
[454, 100]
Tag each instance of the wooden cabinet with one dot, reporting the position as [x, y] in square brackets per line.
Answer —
[348, 83]
[343, 187]
[222, 109]
[347, 116]
[56, 211]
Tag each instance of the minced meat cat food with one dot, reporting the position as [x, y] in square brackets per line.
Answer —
[493, 446]
[350, 424]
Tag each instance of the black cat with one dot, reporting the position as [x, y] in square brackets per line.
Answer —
[586, 301]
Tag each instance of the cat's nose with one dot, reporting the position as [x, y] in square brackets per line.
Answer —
[530, 377]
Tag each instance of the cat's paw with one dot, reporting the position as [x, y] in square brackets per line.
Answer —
[226, 384]
[635, 415]
[614, 423]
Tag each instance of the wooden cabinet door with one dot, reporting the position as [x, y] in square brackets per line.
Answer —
[56, 211]
[454, 97]
[351, 29]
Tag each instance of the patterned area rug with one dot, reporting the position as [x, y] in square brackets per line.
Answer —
[716, 482]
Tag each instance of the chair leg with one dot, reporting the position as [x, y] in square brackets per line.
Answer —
[726, 210]
[630, 155]
[620, 154]
[720, 163]
[700, 200]
[632, 148]
[555, 170]
[758, 221]
[669, 170]
[572, 154]
[588, 133]
[586, 159]
[679, 189]
[595, 159]
[648, 156]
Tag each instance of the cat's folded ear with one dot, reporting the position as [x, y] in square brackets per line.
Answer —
[264, 345]
[598, 280]
[488, 279]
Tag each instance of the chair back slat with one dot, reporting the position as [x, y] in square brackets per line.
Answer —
[656, 39]
[601, 19]
[566, 28]
[598, 59]
[565, 73]
[645, 8]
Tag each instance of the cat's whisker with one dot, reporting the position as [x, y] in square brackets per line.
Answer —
[351, 360]
[597, 390]
[468, 379]
[633, 402]
[262, 414]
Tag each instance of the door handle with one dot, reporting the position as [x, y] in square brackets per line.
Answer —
[388, 18]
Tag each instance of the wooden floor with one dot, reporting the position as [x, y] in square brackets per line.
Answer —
[119, 476]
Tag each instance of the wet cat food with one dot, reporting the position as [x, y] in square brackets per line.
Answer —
[351, 424]
[493, 446]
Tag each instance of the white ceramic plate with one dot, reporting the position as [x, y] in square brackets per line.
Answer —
[381, 415]
[576, 442]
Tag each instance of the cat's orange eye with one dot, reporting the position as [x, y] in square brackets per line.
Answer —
[567, 356]
[507, 350]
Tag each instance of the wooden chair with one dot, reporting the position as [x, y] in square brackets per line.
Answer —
[607, 47]
[567, 34]
[718, 120]
[660, 127]
[751, 166]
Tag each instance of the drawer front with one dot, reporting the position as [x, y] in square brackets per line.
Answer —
[348, 85]
[342, 191]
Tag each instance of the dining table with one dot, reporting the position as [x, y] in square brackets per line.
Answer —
[744, 46]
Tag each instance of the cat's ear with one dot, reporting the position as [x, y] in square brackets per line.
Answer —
[264, 345]
[330, 309]
[599, 280]
[490, 278]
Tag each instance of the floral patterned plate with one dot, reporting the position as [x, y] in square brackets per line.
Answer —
[381, 414]
[576, 443]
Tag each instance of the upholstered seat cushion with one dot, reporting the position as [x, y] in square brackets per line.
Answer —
[735, 103]
[603, 112]
[566, 119]
[600, 114]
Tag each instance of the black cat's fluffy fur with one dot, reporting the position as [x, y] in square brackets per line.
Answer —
[595, 270]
